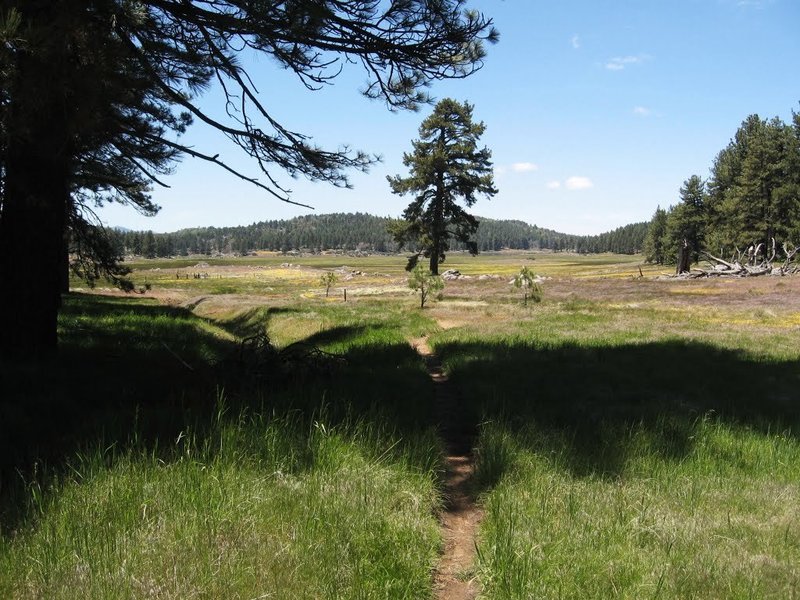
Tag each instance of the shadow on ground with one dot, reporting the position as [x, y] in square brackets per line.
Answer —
[587, 398]
[134, 372]
[254, 320]
[129, 369]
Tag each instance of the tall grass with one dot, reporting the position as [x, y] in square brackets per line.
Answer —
[722, 521]
[258, 506]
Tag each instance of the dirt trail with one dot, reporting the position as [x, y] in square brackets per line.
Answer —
[454, 578]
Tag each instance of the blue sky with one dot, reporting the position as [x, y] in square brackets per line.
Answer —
[596, 112]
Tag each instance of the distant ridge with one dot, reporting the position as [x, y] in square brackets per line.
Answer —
[363, 232]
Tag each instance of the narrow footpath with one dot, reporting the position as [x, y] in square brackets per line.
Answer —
[454, 577]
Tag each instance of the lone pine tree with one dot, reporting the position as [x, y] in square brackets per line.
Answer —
[445, 168]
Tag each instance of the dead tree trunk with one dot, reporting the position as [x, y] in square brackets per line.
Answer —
[753, 262]
[684, 258]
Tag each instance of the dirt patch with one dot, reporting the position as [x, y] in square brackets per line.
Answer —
[421, 346]
[453, 578]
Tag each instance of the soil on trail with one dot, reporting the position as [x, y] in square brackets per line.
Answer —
[454, 577]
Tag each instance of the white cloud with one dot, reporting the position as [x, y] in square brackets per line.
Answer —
[575, 41]
[524, 167]
[578, 183]
[553, 185]
[618, 63]
[641, 111]
[500, 170]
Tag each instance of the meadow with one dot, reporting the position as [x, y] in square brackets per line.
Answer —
[637, 435]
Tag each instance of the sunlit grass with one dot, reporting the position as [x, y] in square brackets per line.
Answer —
[377, 323]
[269, 267]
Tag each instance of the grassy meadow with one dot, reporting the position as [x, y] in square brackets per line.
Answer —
[638, 436]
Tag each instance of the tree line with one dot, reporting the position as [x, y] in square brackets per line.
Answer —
[360, 232]
[752, 197]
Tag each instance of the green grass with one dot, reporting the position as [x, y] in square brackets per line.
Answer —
[121, 360]
[717, 520]
[265, 274]
[638, 438]
[138, 326]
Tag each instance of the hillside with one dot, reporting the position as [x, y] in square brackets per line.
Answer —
[358, 231]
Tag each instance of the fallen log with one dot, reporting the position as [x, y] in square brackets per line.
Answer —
[756, 263]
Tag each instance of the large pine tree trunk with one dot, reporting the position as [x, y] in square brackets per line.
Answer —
[438, 219]
[63, 272]
[434, 261]
[32, 223]
[436, 239]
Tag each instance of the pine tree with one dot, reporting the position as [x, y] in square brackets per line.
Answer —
[754, 190]
[686, 222]
[528, 282]
[446, 167]
[426, 283]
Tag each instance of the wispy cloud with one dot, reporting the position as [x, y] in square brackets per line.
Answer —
[524, 167]
[575, 41]
[578, 183]
[618, 63]
[753, 3]
[641, 111]
[574, 183]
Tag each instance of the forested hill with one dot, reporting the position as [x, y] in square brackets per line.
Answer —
[351, 232]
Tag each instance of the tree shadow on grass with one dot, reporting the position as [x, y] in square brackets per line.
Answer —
[339, 334]
[254, 320]
[588, 399]
[123, 363]
[135, 373]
